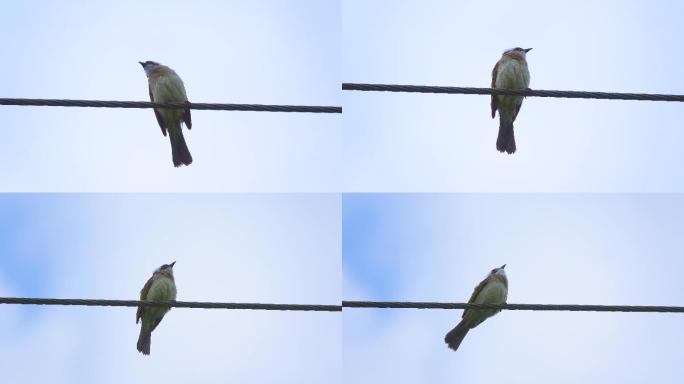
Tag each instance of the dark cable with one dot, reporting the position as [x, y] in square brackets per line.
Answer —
[147, 104]
[491, 91]
[346, 304]
[174, 304]
[519, 307]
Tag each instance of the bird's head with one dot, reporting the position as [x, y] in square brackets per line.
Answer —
[498, 271]
[166, 269]
[517, 51]
[149, 66]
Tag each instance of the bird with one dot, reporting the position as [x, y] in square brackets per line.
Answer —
[510, 72]
[492, 290]
[160, 287]
[166, 86]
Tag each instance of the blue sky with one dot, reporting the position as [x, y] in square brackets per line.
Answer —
[444, 143]
[265, 52]
[559, 249]
[235, 248]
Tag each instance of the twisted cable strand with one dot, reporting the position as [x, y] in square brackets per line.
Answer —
[528, 92]
[519, 307]
[147, 104]
[173, 304]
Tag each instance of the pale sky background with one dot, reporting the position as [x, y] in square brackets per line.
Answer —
[228, 248]
[565, 248]
[559, 249]
[427, 142]
[251, 52]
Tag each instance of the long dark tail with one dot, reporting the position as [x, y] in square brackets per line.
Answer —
[456, 335]
[179, 149]
[144, 341]
[506, 141]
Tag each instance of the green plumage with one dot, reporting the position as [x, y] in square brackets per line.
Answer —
[161, 287]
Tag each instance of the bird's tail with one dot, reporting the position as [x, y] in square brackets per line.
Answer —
[505, 142]
[144, 341]
[456, 335]
[179, 149]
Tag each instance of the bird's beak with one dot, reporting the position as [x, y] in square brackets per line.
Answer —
[527, 50]
[142, 63]
[171, 265]
[502, 267]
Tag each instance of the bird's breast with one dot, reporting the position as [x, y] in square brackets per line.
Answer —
[513, 74]
[162, 289]
[495, 292]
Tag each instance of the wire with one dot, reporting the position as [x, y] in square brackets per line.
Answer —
[492, 91]
[345, 304]
[518, 307]
[147, 104]
[174, 304]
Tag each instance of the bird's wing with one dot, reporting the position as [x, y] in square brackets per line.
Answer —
[186, 117]
[476, 292]
[157, 114]
[177, 88]
[494, 71]
[156, 322]
[516, 111]
[143, 296]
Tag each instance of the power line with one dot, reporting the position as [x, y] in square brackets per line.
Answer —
[147, 104]
[492, 91]
[518, 307]
[345, 304]
[174, 304]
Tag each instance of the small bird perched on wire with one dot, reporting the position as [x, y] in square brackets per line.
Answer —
[166, 86]
[492, 290]
[510, 72]
[160, 287]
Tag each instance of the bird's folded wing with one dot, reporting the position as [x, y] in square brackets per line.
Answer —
[476, 292]
[157, 114]
[143, 296]
[186, 117]
[494, 72]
